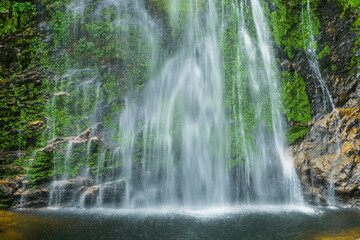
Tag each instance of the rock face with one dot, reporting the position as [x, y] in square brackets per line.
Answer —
[110, 194]
[328, 158]
[82, 190]
[89, 197]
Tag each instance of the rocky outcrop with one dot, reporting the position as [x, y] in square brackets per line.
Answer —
[109, 194]
[15, 187]
[67, 191]
[90, 196]
[328, 158]
[29, 198]
[8, 187]
[22, 95]
[340, 67]
[81, 190]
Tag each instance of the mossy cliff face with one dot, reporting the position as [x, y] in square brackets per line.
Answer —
[325, 168]
[50, 95]
[22, 92]
[329, 155]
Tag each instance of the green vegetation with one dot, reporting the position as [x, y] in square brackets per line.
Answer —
[325, 50]
[79, 95]
[17, 19]
[291, 32]
[5, 200]
[352, 7]
[296, 104]
[15, 16]
[290, 24]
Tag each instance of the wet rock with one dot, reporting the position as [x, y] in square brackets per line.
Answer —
[11, 185]
[69, 191]
[43, 27]
[61, 94]
[113, 193]
[89, 197]
[76, 190]
[36, 125]
[7, 56]
[329, 155]
[34, 198]
[49, 38]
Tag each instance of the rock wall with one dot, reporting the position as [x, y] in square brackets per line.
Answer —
[327, 157]
[22, 93]
[59, 85]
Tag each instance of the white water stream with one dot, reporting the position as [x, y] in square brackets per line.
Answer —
[175, 139]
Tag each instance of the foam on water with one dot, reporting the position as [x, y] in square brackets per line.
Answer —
[199, 213]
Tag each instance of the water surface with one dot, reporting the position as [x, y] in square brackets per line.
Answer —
[253, 222]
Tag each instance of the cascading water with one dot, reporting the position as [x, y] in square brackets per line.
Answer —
[324, 101]
[181, 124]
[203, 131]
[266, 174]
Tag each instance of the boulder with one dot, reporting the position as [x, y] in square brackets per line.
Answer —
[113, 193]
[69, 191]
[328, 158]
[43, 27]
[34, 198]
[89, 198]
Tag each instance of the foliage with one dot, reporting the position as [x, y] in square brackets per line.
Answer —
[296, 104]
[41, 168]
[325, 50]
[15, 15]
[5, 200]
[290, 24]
[291, 32]
[352, 7]
[296, 132]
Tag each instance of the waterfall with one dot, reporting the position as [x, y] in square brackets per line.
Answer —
[265, 173]
[324, 101]
[205, 129]
[181, 121]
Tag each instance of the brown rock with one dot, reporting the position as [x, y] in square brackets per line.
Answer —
[330, 153]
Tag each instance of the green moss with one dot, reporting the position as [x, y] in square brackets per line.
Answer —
[19, 16]
[352, 8]
[325, 50]
[5, 200]
[334, 67]
[41, 168]
[290, 24]
[61, 24]
[296, 132]
[84, 155]
[296, 104]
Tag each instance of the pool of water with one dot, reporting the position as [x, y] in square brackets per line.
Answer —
[251, 222]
